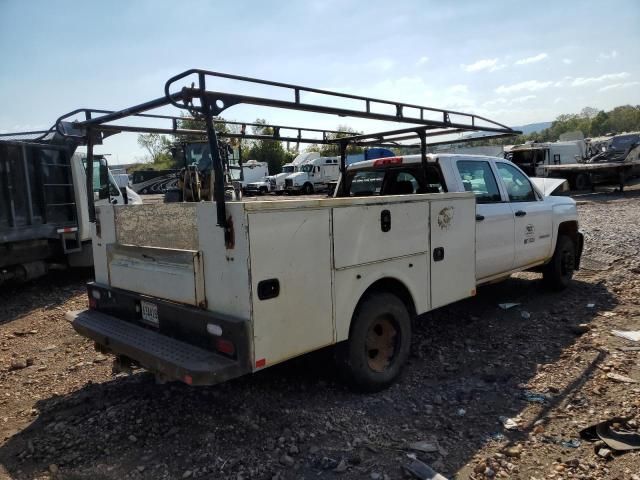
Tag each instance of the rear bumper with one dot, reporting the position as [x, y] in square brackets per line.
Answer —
[157, 353]
[181, 345]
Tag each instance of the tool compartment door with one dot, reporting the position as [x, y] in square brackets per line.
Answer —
[166, 273]
[453, 240]
[290, 283]
[379, 232]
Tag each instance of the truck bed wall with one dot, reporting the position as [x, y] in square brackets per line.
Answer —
[36, 192]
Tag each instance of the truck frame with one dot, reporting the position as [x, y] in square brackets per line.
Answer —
[209, 291]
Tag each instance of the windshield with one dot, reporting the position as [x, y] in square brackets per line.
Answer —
[307, 168]
[622, 143]
[403, 180]
[288, 169]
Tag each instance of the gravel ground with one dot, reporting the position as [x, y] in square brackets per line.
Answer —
[64, 415]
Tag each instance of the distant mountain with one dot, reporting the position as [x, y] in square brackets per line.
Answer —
[533, 127]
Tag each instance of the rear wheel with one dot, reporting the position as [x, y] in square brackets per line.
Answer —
[378, 344]
[558, 272]
[581, 181]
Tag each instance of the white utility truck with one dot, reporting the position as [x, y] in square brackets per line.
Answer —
[207, 291]
[313, 175]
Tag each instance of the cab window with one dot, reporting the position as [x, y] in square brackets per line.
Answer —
[518, 185]
[477, 177]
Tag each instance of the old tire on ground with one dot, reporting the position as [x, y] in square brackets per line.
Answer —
[557, 274]
[379, 342]
[581, 181]
[307, 189]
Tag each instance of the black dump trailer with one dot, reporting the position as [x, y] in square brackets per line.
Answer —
[38, 214]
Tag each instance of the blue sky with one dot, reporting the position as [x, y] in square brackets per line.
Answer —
[514, 62]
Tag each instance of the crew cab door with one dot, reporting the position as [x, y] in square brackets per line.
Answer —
[495, 249]
[532, 216]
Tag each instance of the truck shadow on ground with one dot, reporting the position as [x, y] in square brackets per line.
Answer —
[49, 291]
[468, 364]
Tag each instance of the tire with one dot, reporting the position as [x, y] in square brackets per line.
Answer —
[558, 272]
[307, 189]
[263, 191]
[173, 195]
[581, 181]
[379, 342]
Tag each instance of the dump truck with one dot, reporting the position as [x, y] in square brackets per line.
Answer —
[43, 207]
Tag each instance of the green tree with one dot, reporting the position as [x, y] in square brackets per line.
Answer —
[270, 151]
[158, 148]
[331, 149]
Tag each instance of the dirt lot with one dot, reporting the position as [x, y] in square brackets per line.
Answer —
[63, 414]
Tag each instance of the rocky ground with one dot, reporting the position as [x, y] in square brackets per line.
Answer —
[543, 368]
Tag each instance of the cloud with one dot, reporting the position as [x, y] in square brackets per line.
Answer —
[619, 85]
[383, 64]
[608, 56]
[506, 102]
[490, 64]
[567, 61]
[524, 98]
[558, 100]
[582, 81]
[422, 61]
[458, 89]
[534, 59]
[529, 86]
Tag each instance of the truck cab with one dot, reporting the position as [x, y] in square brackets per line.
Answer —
[277, 181]
[517, 224]
[313, 176]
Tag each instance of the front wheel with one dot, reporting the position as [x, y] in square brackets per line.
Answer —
[307, 189]
[379, 342]
[558, 272]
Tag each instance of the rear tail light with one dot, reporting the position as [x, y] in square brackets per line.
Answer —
[225, 346]
[387, 161]
[93, 303]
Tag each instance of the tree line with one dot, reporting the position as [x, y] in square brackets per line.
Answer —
[590, 121]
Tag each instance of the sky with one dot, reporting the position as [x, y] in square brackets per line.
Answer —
[514, 62]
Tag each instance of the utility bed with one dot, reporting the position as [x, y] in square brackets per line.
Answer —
[283, 290]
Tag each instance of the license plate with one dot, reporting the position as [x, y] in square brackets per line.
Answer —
[149, 312]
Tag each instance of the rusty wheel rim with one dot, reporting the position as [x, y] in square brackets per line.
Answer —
[381, 343]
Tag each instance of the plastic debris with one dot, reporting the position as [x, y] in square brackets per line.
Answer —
[591, 305]
[526, 315]
[510, 423]
[573, 443]
[507, 306]
[423, 471]
[535, 397]
[633, 335]
[424, 446]
[620, 378]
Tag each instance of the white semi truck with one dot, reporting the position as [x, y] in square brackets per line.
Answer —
[276, 183]
[212, 290]
[313, 175]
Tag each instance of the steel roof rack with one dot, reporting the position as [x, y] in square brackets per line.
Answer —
[188, 91]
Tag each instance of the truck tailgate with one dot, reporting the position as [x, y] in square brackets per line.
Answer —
[172, 274]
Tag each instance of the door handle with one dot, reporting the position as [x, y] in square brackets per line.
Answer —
[479, 218]
[520, 213]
